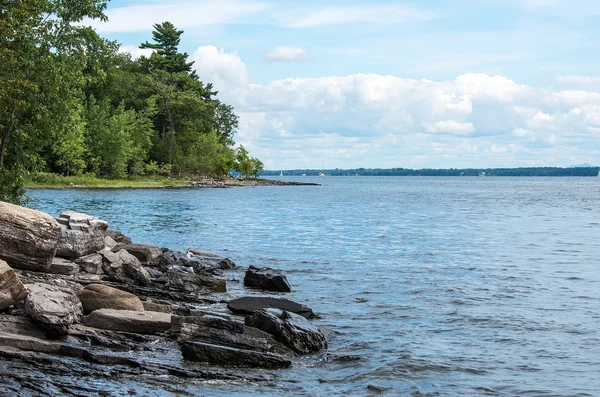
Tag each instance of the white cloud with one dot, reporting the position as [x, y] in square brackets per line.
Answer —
[572, 80]
[135, 51]
[362, 13]
[184, 14]
[286, 54]
[373, 120]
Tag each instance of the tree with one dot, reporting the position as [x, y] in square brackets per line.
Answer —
[167, 56]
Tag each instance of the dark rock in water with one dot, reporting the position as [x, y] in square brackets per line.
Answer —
[90, 263]
[63, 266]
[12, 289]
[229, 356]
[123, 267]
[52, 307]
[267, 279]
[291, 329]
[98, 296]
[215, 321]
[146, 254]
[119, 237]
[28, 238]
[205, 263]
[194, 283]
[80, 234]
[249, 304]
[128, 320]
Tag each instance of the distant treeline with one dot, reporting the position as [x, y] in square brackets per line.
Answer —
[528, 171]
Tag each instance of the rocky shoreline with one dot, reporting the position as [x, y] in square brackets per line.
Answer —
[177, 184]
[81, 302]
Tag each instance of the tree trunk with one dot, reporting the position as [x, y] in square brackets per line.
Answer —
[3, 145]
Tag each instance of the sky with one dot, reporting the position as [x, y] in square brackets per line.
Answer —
[382, 84]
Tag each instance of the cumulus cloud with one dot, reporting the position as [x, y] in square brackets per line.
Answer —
[135, 51]
[286, 54]
[371, 120]
[571, 80]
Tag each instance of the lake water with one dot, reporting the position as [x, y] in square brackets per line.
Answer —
[433, 286]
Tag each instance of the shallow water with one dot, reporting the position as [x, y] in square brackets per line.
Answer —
[433, 286]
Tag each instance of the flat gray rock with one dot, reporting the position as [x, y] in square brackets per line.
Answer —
[229, 356]
[129, 321]
[249, 304]
[52, 307]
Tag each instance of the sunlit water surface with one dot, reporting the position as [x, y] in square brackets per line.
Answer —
[433, 286]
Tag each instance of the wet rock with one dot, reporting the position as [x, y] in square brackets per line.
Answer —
[90, 263]
[194, 283]
[80, 234]
[215, 321]
[123, 267]
[266, 279]
[28, 238]
[119, 237]
[129, 321]
[146, 254]
[52, 307]
[12, 289]
[229, 356]
[98, 296]
[63, 266]
[291, 329]
[249, 304]
[205, 263]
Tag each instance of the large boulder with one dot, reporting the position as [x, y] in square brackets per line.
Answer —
[229, 356]
[266, 279]
[12, 289]
[28, 238]
[194, 283]
[54, 308]
[80, 234]
[291, 329]
[98, 296]
[129, 321]
[123, 267]
[249, 304]
[147, 255]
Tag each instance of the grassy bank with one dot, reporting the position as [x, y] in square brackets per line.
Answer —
[48, 180]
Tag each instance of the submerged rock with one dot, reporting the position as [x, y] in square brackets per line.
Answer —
[28, 238]
[249, 304]
[291, 329]
[98, 296]
[266, 279]
[194, 283]
[80, 234]
[12, 289]
[229, 356]
[52, 307]
[129, 321]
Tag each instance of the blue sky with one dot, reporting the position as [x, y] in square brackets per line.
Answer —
[464, 83]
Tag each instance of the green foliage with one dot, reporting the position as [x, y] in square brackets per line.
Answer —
[71, 104]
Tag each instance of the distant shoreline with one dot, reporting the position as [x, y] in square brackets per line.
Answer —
[522, 171]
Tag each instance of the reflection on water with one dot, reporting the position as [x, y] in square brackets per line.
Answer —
[434, 286]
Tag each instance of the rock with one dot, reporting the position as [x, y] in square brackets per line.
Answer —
[215, 321]
[90, 263]
[146, 254]
[210, 259]
[129, 321]
[291, 329]
[63, 266]
[80, 234]
[266, 279]
[54, 308]
[119, 237]
[12, 289]
[28, 238]
[121, 266]
[249, 304]
[194, 283]
[205, 263]
[109, 242]
[98, 296]
[229, 356]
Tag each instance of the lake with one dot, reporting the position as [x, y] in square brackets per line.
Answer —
[433, 286]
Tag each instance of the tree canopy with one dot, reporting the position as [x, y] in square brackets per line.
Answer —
[70, 103]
